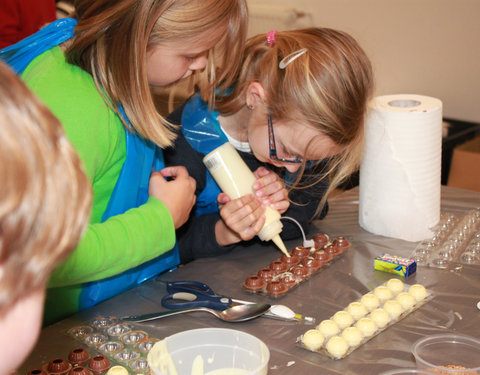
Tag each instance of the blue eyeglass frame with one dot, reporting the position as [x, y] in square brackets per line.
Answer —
[273, 147]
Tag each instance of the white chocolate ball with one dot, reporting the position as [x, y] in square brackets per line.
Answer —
[313, 339]
[117, 370]
[337, 347]
[395, 285]
[366, 326]
[343, 319]
[393, 308]
[380, 317]
[382, 293]
[328, 328]
[370, 301]
[352, 335]
[357, 310]
[406, 300]
[418, 292]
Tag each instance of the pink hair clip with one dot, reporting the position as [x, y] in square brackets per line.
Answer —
[271, 37]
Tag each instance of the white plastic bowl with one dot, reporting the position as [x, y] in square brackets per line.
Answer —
[222, 351]
[438, 353]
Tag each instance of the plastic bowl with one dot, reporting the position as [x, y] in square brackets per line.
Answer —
[448, 354]
[220, 350]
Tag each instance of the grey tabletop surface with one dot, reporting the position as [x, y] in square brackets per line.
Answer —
[453, 308]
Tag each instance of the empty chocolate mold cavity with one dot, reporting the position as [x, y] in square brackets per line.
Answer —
[440, 262]
[301, 252]
[99, 364]
[468, 257]
[276, 288]
[139, 364]
[134, 337]
[80, 331]
[118, 330]
[278, 266]
[78, 356]
[95, 339]
[127, 355]
[320, 240]
[79, 370]
[146, 345]
[58, 366]
[103, 322]
[266, 274]
[111, 347]
[254, 283]
[445, 254]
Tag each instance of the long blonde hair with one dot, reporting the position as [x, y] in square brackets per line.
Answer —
[112, 38]
[328, 87]
[44, 194]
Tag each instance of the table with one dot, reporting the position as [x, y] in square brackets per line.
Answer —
[453, 308]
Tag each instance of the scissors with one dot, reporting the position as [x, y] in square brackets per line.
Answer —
[186, 294]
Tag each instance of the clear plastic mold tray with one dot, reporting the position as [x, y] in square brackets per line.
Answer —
[455, 242]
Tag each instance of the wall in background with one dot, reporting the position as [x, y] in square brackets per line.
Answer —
[427, 47]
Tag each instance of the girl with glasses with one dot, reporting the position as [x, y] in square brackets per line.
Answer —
[295, 113]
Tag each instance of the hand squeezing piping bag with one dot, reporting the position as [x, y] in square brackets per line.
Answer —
[236, 179]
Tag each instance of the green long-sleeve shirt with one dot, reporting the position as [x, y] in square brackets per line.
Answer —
[123, 241]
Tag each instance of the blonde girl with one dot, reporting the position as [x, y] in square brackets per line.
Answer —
[96, 76]
[297, 107]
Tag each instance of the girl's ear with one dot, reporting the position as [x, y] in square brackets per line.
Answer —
[255, 95]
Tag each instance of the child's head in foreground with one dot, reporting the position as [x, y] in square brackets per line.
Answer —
[44, 208]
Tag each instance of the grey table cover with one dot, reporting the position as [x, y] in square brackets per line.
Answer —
[453, 308]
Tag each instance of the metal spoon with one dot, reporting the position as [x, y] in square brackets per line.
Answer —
[239, 313]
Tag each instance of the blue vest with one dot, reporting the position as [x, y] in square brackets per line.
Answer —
[202, 130]
[131, 189]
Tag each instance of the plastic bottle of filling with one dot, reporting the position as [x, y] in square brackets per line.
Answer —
[236, 179]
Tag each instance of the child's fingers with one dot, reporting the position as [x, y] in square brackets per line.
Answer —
[261, 171]
[223, 198]
[242, 216]
[281, 206]
[251, 231]
[175, 172]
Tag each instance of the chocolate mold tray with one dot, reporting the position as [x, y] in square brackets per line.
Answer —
[364, 319]
[104, 343]
[455, 242]
[285, 273]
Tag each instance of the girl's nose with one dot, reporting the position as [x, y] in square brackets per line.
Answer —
[199, 63]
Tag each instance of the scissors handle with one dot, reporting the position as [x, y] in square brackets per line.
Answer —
[189, 287]
[180, 300]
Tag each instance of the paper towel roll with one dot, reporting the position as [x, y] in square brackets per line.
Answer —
[401, 167]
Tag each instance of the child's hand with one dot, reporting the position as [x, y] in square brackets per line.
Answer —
[242, 219]
[178, 194]
[270, 188]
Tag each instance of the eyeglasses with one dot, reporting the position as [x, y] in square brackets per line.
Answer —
[273, 148]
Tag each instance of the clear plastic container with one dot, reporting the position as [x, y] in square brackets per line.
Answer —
[448, 354]
[212, 351]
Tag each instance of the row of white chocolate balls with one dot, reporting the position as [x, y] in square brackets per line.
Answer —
[337, 346]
